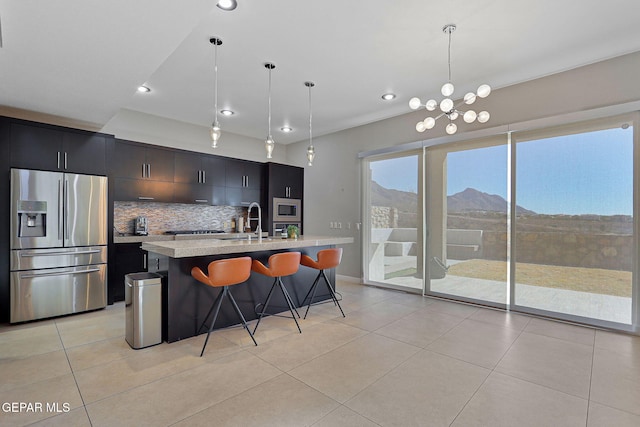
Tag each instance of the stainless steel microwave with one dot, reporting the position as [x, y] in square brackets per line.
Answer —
[287, 210]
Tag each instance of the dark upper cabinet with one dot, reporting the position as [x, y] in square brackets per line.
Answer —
[143, 190]
[285, 181]
[194, 168]
[243, 182]
[140, 161]
[44, 147]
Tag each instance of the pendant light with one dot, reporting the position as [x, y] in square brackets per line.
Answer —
[447, 107]
[269, 143]
[215, 126]
[311, 152]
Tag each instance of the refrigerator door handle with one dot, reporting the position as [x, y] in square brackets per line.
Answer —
[66, 209]
[63, 273]
[60, 209]
[38, 254]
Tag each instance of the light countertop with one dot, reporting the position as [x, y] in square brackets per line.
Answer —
[213, 246]
[171, 237]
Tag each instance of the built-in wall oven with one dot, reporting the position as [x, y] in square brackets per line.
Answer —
[58, 244]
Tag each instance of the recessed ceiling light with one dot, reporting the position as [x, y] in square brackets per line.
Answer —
[143, 89]
[227, 112]
[388, 96]
[286, 129]
[227, 4]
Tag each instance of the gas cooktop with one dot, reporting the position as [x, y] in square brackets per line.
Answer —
[194, 232]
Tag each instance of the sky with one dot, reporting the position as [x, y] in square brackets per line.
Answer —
[588, 173]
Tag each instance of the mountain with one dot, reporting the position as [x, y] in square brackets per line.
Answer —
[468, 200]
[473, 200]
[404, 201]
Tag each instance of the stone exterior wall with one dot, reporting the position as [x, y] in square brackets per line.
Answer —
[384, 217]
[608, 251]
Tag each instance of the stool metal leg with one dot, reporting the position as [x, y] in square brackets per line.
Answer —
[289, 303]
[244, 322]
[288, 297]
[215, 301]
[333, 293]
[266, 304]
[215, 316]
[314, 288]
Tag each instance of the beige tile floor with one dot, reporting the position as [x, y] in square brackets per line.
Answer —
[395, 360]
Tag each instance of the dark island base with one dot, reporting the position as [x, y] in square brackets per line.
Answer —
[186, 301]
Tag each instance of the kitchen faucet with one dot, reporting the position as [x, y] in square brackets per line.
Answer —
[259, 218]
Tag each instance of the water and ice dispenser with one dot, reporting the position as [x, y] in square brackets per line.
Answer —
[32, 218]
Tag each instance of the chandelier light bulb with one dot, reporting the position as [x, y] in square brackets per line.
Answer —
[429, 122]
[451, 128]
[432, 104]
[469, 116]
[447, 89]
[483, 116]
[484, 91]
[446, 105]
[414, 103]
[420, 126]
[453, 115]
[470, 98]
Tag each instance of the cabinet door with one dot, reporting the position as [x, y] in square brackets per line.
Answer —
[35, 147]
[253, 172]
[296, 182]
[142, 190]
[215, 169]
[160, 164]
[193, 193]
[84, 153]
[234, 173]
[128, 160]
[188, 168]
[129, 258]
[278, 180]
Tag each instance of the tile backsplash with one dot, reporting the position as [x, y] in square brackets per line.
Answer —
[174, 216]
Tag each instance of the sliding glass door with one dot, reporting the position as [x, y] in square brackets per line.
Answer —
[574, 235]
[393, 234]
[466, 206]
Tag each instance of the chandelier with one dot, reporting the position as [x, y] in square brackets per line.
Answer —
[311, 152]
[215, 126]
[447, 107]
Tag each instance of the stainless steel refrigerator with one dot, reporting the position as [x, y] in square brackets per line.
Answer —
[58, 244]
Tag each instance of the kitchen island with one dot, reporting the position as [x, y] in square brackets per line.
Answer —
[186, 301]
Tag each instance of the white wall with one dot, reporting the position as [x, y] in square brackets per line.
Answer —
[332, 184]
[136, 126]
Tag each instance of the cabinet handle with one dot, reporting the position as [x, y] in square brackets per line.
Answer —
[145, 198]
[144, 261]
[201, 201]
[65, 160]
[148, 170]
[199, 176]
[144, 170]
[58, 160]
[247, 181]
[204, 177]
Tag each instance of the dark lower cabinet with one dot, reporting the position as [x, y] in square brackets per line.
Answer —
[128, 258]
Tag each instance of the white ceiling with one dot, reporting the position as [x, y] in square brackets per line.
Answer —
[84, 59]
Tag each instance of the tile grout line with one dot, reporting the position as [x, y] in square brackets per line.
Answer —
[493, 369]
[66, 355]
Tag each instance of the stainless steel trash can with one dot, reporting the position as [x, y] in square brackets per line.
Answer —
[143, 309]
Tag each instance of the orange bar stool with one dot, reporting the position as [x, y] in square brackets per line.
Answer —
[280, 265]
[224, 273]
[327, 258]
